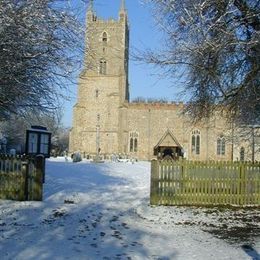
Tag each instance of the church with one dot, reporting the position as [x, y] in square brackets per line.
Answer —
[106, 123]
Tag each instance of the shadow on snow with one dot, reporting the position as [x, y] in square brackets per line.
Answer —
[86, 213]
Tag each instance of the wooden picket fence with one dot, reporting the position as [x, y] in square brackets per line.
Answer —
[21, 177]
[205, 183]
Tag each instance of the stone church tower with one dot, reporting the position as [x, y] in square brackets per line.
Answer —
[103, 85]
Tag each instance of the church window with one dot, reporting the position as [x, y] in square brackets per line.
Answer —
[221, 146]
[135, 145]
[133, 142]
[103, 67]
[195, 142]
[104, 37]
[97, 93]
[242, 154]
[131, 145]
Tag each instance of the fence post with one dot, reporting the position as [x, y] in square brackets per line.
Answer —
[24, 192]
[154, 186]
[242, 184]
[39, 171]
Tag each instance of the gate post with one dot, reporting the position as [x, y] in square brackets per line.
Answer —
[24, 192]
[154, 185]
[39, 171]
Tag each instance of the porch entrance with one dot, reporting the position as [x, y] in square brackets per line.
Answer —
[168, 152]
[168, 147]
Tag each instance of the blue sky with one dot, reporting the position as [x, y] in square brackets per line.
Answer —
[144, 80]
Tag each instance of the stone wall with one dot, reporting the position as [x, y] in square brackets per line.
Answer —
[151, 121]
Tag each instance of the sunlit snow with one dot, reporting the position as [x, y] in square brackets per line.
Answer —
[101, 211]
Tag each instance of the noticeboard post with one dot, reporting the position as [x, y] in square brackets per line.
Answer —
[38, 141]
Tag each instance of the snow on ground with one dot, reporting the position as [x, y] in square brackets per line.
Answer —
[101, 211]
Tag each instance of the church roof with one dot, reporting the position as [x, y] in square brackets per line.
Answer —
[168, 139]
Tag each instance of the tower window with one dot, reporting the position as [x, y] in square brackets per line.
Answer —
[221, 146]
[103, 67]
[97, 93]
[133, 142]
[104, 37]
[195, 142]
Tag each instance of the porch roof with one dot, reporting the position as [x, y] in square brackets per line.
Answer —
[168, 139]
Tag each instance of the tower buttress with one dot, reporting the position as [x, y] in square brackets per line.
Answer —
[124, 21]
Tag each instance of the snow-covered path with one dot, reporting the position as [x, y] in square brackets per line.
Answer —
[101, 211]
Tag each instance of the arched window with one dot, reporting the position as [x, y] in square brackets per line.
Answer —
[195, 142]
[135, 145]
[103, 67]
[133, 142]
[131, 145]
[198, 144]
[242, 154]
[97, 93]
[104, 37]
[221, 146]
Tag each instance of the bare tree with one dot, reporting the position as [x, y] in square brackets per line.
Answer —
[41, 48]
[14, 129]
[60, 141]
[139, 100]
[217, 45]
